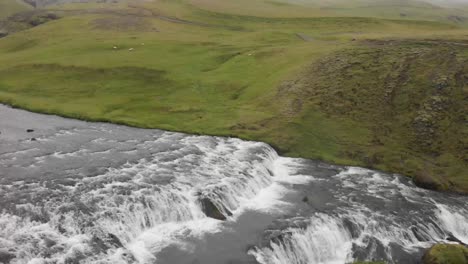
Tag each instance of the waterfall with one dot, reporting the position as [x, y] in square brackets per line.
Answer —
[325, 240]
[454, 220]
[134, 210]
[356, 232]
[101, 193]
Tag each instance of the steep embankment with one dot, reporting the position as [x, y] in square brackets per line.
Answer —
[393, 105]
[409, 97]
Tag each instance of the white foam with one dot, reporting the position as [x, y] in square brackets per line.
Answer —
[270, 199]
[175, 234]
[454, 222]
[147, 216]
[324, 241]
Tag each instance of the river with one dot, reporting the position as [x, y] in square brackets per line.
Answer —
[79, 192]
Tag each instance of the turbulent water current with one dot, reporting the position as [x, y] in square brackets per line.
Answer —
[77, 192]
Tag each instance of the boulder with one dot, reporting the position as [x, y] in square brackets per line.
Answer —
[212, 211]
[426, 180]
[6, 256]
[446, 254]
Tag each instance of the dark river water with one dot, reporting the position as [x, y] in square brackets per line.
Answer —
[77, 192]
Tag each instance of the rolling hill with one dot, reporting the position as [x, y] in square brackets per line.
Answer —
[375, 84]
[10, 7]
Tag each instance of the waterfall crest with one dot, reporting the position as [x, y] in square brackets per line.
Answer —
[109, 216]
[100, 193]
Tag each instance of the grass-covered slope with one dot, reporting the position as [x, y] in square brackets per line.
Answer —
[391, 9]
[383, 93]
[409, 97]
[10, 7]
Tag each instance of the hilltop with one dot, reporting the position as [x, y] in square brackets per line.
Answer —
[380, 85]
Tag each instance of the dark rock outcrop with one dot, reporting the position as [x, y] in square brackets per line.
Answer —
[212, 211]
[452, 238]
[6, 256]
[105, 242]
[424, 179]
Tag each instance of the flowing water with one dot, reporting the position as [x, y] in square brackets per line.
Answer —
[78, 192]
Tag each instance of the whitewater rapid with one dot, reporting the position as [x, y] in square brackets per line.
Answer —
[79, 192]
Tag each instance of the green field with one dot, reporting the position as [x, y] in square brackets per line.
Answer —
[351, 85]
[10, 7]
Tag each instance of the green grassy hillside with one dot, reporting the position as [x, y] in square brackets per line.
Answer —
[391, 9]
[10, 7]
[387, 93]
[408, 96]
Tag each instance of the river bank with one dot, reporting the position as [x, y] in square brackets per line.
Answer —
[386, 94]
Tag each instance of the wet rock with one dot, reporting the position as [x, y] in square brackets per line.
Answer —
[114, 240]
[105, 242]
[419, 235]
[452, 238]
[352, 228]
[400, 254]
[374, 250]
[212, 211]
[76, 207]
[128, 257]
[6, 256]
[99, 245]
[270, 172]
[48, 242]
[272, 235]
[76, 258]
[424, 179]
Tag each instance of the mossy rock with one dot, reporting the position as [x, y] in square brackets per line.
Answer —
[446, 254]
[426, 179]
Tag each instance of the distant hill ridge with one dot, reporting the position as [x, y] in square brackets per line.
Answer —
[45, 3]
